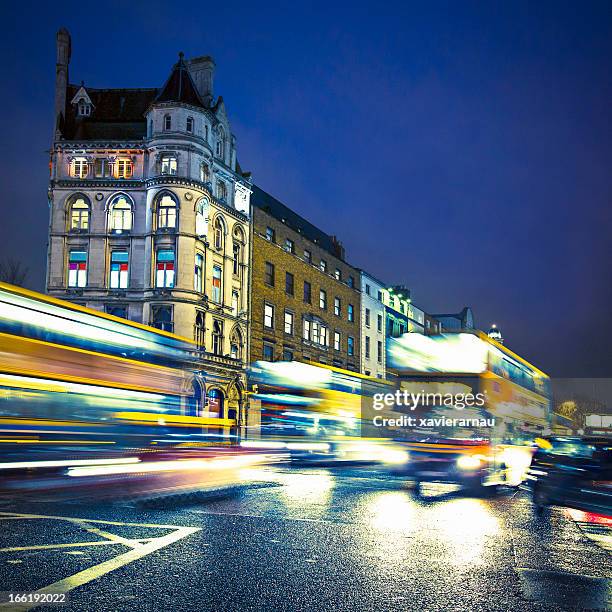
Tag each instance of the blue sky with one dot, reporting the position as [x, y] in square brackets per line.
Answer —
[463, 149]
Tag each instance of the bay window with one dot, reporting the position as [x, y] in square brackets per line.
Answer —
[165, 268]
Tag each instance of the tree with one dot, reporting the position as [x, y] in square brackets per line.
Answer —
[12, 272]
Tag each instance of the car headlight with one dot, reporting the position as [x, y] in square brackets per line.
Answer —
[468, 462]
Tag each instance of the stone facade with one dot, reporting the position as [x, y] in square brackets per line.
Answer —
[285, 323]
[149, 214]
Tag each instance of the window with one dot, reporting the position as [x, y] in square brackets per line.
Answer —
[322, 299]
[216, 284]
[289, 245]
[307, 329]
[221, 191]
[204, 172]
[124, 168]
[119, 270]
[220, 143]
[120, 215]
[351, 312]
[79, 215]
[288, 322]
[165, 268]
[337, 307]
[307, 256]
[269, 274]
[161, 317]
[269, 316]
[367, 317]
[198, 275]
[237, 249]
[216, 403]
[379, 351]
[168, 165]
[77, 269]
[380, 296]
[235, 302]
[318, 333]
[323, 266]
[201, 223]
[287, 355]
[217, 338]
[199, 330]
[351, 282]
[117, 310]
[236, 345]
[166, 212]
[367, 289]
[338, 274]
[337, 341]
[379, 323]
[101, 167]
[367, 347]
[270, 234]
[84, 108]
[268, 352]
[219, 232]
[351, 345]
[288, 283]
[307, 292]
[206, 132]
[167, 122]
[80, 167]
[189, 125]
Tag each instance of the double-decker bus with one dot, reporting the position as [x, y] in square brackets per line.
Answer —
[475, 408]
[315, 412]
[74, 381]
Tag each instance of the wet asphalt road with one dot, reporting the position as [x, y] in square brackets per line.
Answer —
[308, 539]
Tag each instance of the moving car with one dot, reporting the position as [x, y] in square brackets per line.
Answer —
[573, 472]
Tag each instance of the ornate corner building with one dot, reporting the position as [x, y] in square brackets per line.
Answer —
[149, 216]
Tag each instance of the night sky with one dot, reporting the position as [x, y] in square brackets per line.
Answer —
[462, 149]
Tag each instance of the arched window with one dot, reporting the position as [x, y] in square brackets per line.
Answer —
[236, 344]
[215, 403]
[120, 215]
[204, 172]
[167, 122]
[199, 330]
[217, 338]
[221, 191]
[219, 230]
[195, 401]
[201, 223]
[220, 143]
[237, 250]
[79, 214]
[190, 125]
[166, 212]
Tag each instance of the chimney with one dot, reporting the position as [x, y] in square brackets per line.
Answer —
[202, 71]
[64, 50]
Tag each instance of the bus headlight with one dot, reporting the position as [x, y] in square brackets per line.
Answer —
[468, 462]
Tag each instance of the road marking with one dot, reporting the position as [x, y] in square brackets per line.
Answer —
[140, 547]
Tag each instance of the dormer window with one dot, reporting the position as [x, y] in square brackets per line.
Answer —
[124, 168]
[190, 125]
[84, 109]
[167, 122]
[220, 143]
[79, 167]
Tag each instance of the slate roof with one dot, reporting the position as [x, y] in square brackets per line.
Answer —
[118, 114]
[278, 210]
[180, 87]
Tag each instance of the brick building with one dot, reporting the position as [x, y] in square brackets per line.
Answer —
[305, 302]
